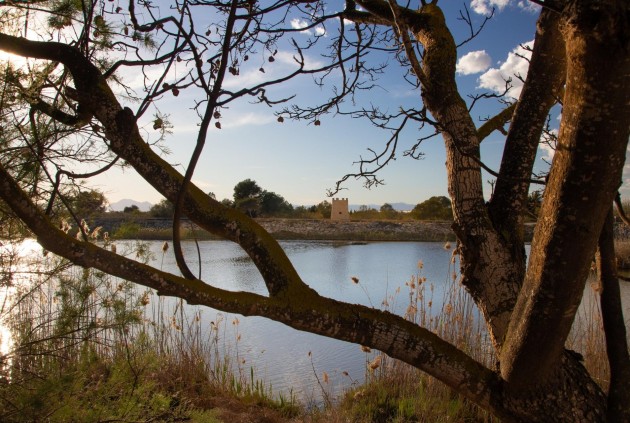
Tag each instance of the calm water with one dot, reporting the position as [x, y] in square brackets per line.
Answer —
[280, 355]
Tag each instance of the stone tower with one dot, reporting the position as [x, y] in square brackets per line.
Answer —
[339, 209]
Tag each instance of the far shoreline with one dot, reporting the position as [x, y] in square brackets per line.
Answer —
[286, 229]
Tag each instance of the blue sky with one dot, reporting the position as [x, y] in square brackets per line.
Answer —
[301, 161]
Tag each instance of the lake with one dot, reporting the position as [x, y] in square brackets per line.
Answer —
[289, 360]
[280, 354]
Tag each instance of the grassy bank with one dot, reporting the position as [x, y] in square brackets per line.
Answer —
[89, 347]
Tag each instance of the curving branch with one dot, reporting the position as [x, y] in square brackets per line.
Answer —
[554, 283]
[545, 78]
[201, 139]
[381, 330]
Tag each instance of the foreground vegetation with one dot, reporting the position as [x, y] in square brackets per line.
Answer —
[89, 347]
[72, 113]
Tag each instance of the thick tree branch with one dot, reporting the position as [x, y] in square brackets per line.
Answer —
[614, 326]
[485, 267]
[80, 119]
[307, 311]
[402, 31]
[545, 79]
[122, 131]
[379, 12]
[496, 122]
[582, 184]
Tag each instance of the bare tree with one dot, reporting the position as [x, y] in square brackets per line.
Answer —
[581, 55]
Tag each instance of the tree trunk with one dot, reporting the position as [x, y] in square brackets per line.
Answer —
[558, 388]
[538, 380]
[486, 264]
[542, 87]
[568, 395]
[583, 182]
[614, 326]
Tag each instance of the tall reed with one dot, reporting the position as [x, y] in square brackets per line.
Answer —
[83, 340]
[397, 392]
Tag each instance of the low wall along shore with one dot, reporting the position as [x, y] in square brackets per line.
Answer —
[288, 229]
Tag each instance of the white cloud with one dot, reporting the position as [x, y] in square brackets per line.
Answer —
[245, 79]
[289, 58]
[515, 66]
[284, 64]
[473, 62]
[246, 119]
[484, 7]
[300, 24]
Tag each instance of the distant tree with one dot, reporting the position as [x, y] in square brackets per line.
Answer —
[131, 209]
[366, 212]
[534, 201]
[247, 189]
[87, 203]
[324, 209]
[227, 202]
[247, 197]
[163, 209]
[301, 212]
[388, 211]
[435, 208]
[248, 205]
[272, 204]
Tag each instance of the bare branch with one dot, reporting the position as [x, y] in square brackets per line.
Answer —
[496, 123]
[468, 20]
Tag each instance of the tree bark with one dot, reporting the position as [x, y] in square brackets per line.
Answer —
[614, 326]
[538, 380]
[486, 266]
[541, 90]
[583, 181]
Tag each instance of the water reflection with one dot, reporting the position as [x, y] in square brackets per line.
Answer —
[281, 354]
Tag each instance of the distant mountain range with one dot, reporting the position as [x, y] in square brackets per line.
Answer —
[145, 205]
[120, 205]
